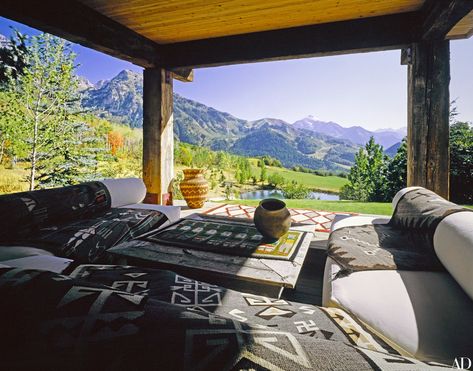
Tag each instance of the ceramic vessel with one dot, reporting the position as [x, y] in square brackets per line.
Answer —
[272, 218]
[194, 188]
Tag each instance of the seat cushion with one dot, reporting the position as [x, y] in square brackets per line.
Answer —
[120, 318]
[358, 220]
[425, 314]
[18, 252]
[86, 240]
[48, 263]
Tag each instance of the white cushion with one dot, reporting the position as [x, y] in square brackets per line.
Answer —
[17, 252]
[453, 243]
[42, 262]
[173, 213]
[426, 314]
[358, 220]
[125, 191]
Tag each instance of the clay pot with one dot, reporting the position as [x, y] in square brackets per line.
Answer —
[194, 188]
[272, 218]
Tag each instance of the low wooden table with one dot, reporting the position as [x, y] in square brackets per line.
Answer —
[254, 275]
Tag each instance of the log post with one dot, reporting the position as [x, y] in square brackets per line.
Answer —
[158, 136]
[428, 162]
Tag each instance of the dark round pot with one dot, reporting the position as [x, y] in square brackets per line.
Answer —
[272, 218]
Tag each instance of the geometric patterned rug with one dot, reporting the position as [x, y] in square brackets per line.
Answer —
[322, 220]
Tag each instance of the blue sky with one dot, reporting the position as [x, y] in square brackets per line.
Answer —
[368, 89]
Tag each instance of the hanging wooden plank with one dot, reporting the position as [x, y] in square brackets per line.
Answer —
[428, 117]
[158, 136]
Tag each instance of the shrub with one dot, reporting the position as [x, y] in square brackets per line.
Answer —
[295, 190]
[276, 180]
[176, 191]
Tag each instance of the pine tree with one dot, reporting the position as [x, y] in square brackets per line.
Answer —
[461, 162]
[397, 172]
[13, 58]
[264, 173]
[74, 161]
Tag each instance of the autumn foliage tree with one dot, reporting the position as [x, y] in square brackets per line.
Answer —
[116, 141]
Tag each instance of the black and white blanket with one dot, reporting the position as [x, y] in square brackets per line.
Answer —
[75, 222]
[121, 318]
[405, 243]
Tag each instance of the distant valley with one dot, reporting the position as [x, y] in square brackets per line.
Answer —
[308, 142]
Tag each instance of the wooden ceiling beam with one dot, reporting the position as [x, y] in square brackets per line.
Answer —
[80, 24]
[440, 16]
[77, 23]
[368, 34]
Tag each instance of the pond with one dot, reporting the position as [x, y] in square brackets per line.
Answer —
[274, 193]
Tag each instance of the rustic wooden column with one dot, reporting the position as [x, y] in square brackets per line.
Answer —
[428, 116]
[158, 136]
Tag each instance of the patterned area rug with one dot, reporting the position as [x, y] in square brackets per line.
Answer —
[322, 220]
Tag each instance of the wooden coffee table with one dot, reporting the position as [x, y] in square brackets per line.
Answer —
[254, 275]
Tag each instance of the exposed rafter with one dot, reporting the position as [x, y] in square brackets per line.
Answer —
[368, 34]
[440, 16]
[76, 22]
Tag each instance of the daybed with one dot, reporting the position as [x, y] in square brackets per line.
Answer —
[425, 313]
[77, 223]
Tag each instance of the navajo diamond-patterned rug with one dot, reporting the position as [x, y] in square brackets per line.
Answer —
[322, 220]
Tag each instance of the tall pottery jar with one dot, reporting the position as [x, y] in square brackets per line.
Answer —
[272, 218]
[194, 188]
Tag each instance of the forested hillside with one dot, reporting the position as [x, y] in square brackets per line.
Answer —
[120, 100]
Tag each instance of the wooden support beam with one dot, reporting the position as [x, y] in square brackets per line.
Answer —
[158, 135]
[428, 117]
[360, 35]
[440, 16]
[406, 58]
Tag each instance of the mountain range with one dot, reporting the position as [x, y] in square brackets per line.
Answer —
[308, 142]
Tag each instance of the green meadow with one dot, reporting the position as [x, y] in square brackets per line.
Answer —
[328, 183]
[377, 208]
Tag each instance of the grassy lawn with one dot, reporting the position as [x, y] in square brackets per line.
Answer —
[378, 208]
[312, 181]
[13, 180]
